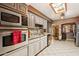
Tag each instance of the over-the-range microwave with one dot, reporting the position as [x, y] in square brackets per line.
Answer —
[8, 17]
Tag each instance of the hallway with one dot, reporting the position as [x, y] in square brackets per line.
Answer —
[61, 48]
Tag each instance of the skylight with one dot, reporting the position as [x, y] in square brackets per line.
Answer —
[58, 7]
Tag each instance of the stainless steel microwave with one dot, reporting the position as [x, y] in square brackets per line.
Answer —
[8, 17]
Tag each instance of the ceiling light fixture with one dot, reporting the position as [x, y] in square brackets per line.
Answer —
[62, 16]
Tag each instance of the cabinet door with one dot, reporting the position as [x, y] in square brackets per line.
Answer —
[31, 49]
[34, 48]
[38, 43]
[37, 21]
[31, 20]
[19, 52]
[45, 24]
[22, 7]
[42, 43]
[45, 41]
[41, 21]
[12, 5]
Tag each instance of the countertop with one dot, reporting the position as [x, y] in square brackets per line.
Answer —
[31, 40]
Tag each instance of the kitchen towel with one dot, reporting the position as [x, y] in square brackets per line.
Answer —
[17, 37]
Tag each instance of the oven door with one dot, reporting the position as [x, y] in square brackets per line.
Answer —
[6, 42]
[6, 39]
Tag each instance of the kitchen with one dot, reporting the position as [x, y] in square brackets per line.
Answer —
[29, 29]
[22, 27]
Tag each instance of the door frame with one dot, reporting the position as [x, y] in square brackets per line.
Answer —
[68, 24]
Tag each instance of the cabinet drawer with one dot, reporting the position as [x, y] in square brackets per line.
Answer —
[32, 49]
[19, 52]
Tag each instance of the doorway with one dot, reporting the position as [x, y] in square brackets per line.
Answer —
[68, 31]
[56, 32]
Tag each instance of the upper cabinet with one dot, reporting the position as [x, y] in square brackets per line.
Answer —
[31, 20]
[12, 5]
[35, 19]
[23, 8]
[17, 7]
[45, 24]
[38, 20]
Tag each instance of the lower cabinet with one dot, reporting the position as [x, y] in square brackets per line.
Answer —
[42, 43]
[45, 41]
[19, 52]
[37, 46]
[32, 49]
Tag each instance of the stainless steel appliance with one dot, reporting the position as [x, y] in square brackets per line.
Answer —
[10, 18]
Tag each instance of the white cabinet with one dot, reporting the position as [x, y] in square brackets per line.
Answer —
[36, 19]
[31, 20]
[34, 48]
[37, 46]
[45, 24]
[42, 43]
[41, 21]
[45, 41]
[19, 52]
[19, 7]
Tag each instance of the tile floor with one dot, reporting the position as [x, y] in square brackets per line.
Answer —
[61, 48]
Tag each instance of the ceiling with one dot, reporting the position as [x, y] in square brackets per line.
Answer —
[45, 8]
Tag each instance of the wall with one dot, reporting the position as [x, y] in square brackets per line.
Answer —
[71, 20]
[60, 22]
